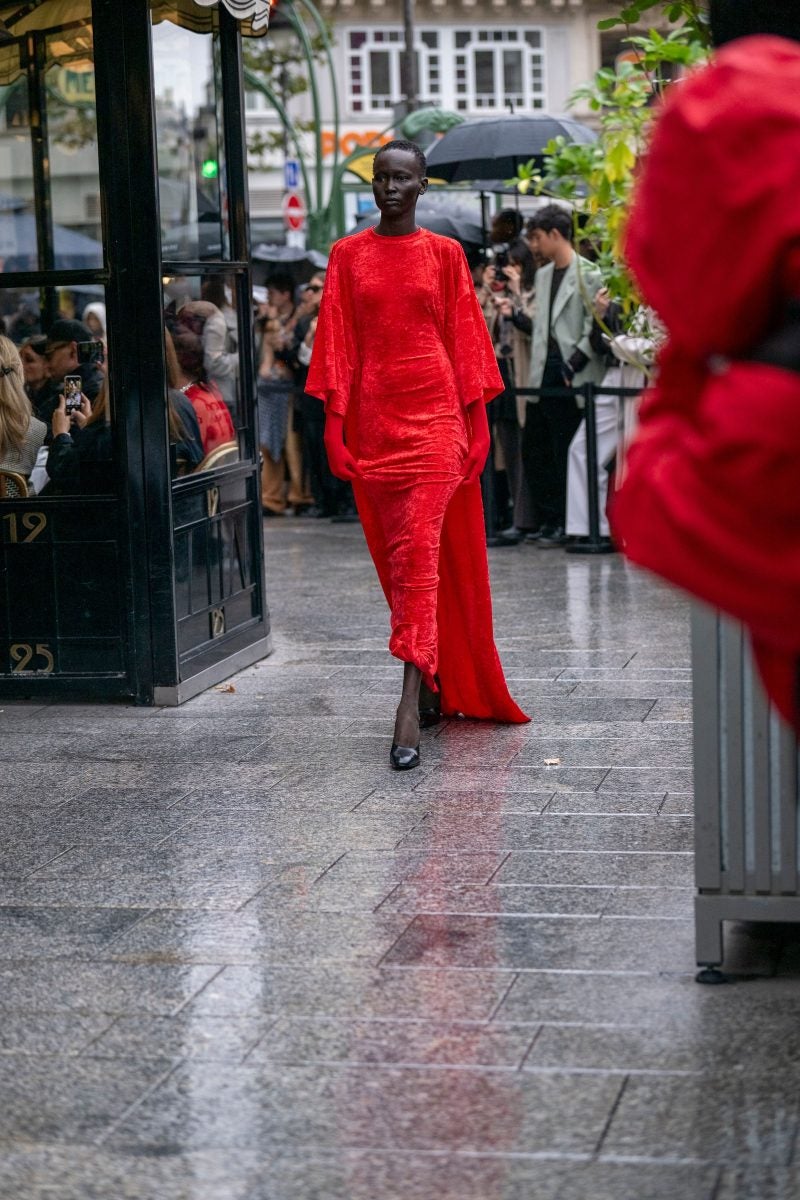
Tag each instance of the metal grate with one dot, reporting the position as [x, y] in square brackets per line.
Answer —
[747, 790]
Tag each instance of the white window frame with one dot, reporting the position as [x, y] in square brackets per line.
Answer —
[497, 39]
[429, 58]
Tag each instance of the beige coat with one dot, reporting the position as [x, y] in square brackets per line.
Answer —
[520, 341]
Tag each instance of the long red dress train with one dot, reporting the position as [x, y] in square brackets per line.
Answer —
[711, 498]
[400, 351]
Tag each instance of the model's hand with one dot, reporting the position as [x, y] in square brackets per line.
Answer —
[480, 442]
[340, 460]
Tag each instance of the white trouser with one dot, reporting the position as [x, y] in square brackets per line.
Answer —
[605, 408]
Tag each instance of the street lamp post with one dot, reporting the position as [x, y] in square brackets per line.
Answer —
[409, 60]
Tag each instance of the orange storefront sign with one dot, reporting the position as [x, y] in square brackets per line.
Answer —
[351, 140]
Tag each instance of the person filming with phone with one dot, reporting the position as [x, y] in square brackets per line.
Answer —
[79, 457]
[71, 351]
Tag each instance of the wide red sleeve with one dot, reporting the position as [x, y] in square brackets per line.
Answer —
[467, 337]
[334, 356]
[710, 498]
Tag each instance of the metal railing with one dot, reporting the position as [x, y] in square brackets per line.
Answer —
[595, 543]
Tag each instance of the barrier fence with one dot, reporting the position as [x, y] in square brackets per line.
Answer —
[595, 543]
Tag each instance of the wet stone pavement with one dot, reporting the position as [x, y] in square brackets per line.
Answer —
[242, 960]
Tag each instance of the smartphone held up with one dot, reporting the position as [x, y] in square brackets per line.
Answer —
[72, 393]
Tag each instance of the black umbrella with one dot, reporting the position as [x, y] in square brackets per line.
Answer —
[300, 264]
[449, 220]
[496, 147]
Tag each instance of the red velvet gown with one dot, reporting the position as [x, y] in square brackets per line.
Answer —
[401, 349]
[712, 494]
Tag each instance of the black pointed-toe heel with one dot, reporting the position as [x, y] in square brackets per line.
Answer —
[430, 707]
[404, 758]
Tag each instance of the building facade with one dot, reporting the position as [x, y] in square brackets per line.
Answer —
[474, 57]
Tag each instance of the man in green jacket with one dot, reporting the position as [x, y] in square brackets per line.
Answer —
[561, 358]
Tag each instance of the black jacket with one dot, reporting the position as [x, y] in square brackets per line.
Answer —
[80, 463]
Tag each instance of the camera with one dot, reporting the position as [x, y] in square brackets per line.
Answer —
[500, 257]
[91, 352]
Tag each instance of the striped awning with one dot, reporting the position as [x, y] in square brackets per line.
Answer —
[72, 18]
[255, 11]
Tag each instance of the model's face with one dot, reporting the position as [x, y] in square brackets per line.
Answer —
[397, 183]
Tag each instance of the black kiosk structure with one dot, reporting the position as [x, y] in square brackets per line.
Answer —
[123, 203]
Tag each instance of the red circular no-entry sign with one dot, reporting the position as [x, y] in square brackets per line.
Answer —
[294, 211]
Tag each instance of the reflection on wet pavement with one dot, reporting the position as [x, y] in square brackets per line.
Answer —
[242, 960]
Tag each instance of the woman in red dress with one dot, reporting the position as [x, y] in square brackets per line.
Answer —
[403, 361]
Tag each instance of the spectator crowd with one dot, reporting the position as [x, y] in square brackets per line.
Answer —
[553, 326]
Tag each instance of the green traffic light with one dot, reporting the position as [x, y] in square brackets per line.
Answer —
[210, 169]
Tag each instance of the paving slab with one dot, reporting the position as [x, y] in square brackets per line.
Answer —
[721, 1118]
[241, 959]
[350, 1107]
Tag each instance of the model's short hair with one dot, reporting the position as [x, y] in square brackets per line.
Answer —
[731, 19]
[551, 217]
[410, 148]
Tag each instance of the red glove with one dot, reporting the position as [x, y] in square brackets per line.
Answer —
[340, 460]
[479, 442]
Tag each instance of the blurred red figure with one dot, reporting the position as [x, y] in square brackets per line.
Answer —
[711, 500]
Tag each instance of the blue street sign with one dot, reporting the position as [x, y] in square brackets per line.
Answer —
[291, 174]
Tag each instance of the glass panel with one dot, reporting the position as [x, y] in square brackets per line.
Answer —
[191, 166]
[512, 72]
[60, 101]
[57, 386]
[202, 326]
[17, 222]
[380, 73]
[72, 146]
[20, 313]
[484, 73]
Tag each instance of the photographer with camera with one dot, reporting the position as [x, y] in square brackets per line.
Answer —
[71, 350]
[507, 300]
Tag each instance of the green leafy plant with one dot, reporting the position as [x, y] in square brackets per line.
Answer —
[597, 179]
